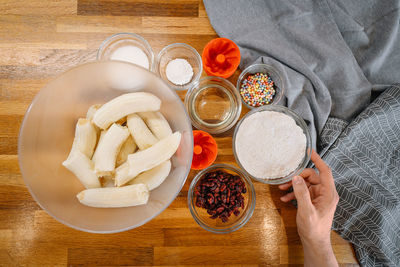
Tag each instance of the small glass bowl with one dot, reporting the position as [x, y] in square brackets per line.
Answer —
[299, 121]
[272, 72]
[179, 50]
[234, 223]
[118, 40]
[213, 104]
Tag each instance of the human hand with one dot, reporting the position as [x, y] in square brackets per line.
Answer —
[316, 199]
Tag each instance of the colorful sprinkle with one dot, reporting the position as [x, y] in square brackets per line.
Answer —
[257, 90]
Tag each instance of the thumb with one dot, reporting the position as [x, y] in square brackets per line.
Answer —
[301, 192]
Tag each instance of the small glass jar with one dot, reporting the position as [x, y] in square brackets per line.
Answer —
[213, 104]
[112, 43]
[179, 51]
[299, 121]
[271, 72]
[234, 223]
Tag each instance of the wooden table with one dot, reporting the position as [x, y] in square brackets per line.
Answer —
[39, 39]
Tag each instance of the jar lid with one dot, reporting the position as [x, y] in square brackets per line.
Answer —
[221, 57]
[205, 150]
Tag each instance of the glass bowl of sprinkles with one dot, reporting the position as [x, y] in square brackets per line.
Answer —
[221, 198]
[260, 85]
[213, 104]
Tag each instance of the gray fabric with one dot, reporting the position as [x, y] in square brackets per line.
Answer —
[371, 30]
[365, 161]
[334, 57]
[331, 54]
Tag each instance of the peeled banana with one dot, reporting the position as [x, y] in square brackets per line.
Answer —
[108, 148]
[85, 137]
[140, 133]
[124, 105]
[157, 123]
[80, 165]
[153, 178]
[122, 173]
[115, 197]
[102, 133]
[92, 110]
[149, 158]
[127, 148]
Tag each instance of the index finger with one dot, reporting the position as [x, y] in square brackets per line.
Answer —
[319, 163]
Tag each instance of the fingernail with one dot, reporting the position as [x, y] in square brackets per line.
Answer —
[297, 180]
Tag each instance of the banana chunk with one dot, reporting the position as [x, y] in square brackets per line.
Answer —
[89, 115]
[127, 148]
[140, 133]
[80, 165]
[124, 105]
[157, 123]
[153, 178]
[102, 133]
[115, 197]
[108, 148]
[122, 173]
[92, 110]
[85, 137]
[147, 159]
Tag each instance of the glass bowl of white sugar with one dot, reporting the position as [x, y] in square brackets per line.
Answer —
[272, 144]
[129, 47]
[179, 65]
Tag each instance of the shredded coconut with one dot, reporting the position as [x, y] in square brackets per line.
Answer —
[179, 71]
[131, 54]
[270, 144]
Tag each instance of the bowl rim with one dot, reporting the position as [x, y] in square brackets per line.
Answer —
[298, 120]
[272, 70]
[234, 93]
[35, 99]
[146, 44]
[250, 209]
[196, 78]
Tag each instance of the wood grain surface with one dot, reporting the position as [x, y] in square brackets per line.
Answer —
[42, 38]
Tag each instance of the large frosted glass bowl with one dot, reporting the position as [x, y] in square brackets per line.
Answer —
[48, 129]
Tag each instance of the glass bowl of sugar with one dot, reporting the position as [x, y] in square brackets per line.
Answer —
[129, 47]
[272, 144]
[179, 65]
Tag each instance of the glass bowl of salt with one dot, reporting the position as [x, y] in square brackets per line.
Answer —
[179, 65]
[129, 47]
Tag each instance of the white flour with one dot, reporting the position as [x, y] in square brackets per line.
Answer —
[270, 144]
[179, 71]
[131, 54]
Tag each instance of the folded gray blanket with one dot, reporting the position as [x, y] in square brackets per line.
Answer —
[334, 56]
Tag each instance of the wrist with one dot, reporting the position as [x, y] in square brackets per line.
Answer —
[316, 244]
[318, 253]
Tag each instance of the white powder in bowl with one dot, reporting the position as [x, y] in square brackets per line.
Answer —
[132, 54]
[179, 71]
[270, 144]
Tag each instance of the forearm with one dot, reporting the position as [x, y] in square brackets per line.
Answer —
[319, 254]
